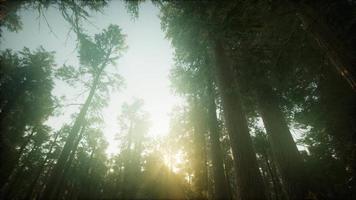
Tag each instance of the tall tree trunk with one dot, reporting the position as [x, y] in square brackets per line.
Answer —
[60, 165]
[282, 194]
[220, 183]
[284, 149]
[68, 165]
[339, 54]
[274, 178]
[249, 180]
[200, 177]
[343, 130]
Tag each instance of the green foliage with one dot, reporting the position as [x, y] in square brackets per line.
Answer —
[26, 102]
[94, 54]
[26, 85]
[268, 49]
[133, 7]
[11, 22]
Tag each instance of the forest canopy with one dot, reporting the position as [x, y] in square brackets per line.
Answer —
[139, 99]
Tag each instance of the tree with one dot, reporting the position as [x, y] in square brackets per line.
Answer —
[26, 100]
[220, 182]
[194, 83]
[244, 157]
[250, 74]
[10, 19]
[94, 57]
[249, 180]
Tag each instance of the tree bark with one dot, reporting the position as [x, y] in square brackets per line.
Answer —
[249, 180]
[220, 183]
[284, 148]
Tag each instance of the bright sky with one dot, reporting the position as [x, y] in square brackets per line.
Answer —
[145, 66]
